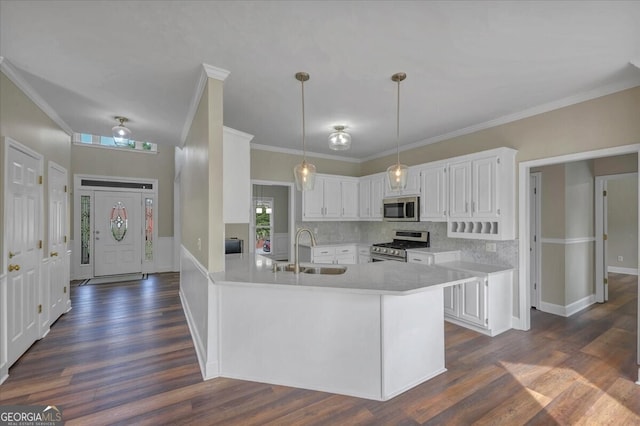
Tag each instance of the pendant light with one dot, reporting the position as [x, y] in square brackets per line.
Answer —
[305, 173]
[397, 173]
[121, 134]
[339, 140]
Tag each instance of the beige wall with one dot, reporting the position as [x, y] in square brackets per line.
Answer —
[121, 163]
[276, 166]
[616, 165]
[24, 122]
[216, 176]
[622, 223]
[201, 182]
[599, 123]
[194, 201]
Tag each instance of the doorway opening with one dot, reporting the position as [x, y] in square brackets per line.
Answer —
[272, 221]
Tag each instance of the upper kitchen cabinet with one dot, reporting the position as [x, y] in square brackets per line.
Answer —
[332, 198]
[434, 194]
[371, 193]
[236, 192]
[413, 184]
[482, 195]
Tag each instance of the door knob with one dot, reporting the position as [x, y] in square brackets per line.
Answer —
[11, 254]
[14, 268]
[53, 253]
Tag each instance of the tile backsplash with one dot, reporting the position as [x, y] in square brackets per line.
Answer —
[377, 232]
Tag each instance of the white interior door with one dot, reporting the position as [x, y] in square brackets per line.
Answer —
[22, 225]
[605, 245]
[57, 240]
[117, 233]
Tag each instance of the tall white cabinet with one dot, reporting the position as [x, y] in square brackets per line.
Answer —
[236, 191]
[371, 194]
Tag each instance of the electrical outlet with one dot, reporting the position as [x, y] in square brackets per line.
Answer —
[199, 244]
[315, 231]
[491, 247]
[620, 259]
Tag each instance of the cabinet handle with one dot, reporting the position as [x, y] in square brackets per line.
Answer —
[53, 253]
[417, 260]
[14, 268]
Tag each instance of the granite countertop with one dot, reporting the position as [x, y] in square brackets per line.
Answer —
[391, 278]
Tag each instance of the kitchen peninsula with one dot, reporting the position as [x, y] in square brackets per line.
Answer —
[374, 331]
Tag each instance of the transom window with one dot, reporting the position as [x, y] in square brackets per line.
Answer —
[108, 142]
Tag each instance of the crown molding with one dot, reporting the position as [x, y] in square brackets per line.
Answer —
[215, 72]
[208, 71]
[299, 152]
[12, 74]
[238, 133]
[561, 103]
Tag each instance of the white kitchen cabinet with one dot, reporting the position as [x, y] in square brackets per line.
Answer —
[338, 254]
[483, 305]
[432, 256]
[350, 201]
[482, 195]
[236, 191]
[364, 254]
[413, 184]
[332, 198]
[371, 193]
[434, 193]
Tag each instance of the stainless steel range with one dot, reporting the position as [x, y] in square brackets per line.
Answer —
[396, 250]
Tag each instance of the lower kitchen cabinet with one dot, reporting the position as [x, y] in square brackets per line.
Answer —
[339, 254]
[483, 305]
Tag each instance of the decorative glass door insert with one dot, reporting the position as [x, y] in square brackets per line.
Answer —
[118, 222]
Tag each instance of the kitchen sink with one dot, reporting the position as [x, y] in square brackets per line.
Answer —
[321, 270]
[325, 270]
[286, 267]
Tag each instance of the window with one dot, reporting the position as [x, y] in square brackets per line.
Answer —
[108, 142]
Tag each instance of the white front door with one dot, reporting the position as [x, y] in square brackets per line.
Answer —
[22, 225]
[118, 233]
[58, 287]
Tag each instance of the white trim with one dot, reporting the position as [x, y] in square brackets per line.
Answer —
[567, 241]
[570, 309]
[238, 133]
[215, 72]
[12, 73]
[208, 71]
[524, 168]
[635, 62]
[309, 154]
[537, 246]
[550, 106]
[620, 270]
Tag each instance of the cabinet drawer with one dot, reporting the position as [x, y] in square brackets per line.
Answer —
[423, 258]
[323, 251]
[345, 250]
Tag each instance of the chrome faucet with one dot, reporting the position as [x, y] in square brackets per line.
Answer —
[296, 268]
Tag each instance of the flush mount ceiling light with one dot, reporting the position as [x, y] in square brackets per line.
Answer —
[339, 140]
[305, 173]
[121, 134]
[398, 172]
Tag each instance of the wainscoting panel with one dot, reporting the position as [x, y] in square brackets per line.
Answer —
[198, 297]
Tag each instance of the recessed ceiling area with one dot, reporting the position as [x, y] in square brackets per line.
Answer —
[468, 64]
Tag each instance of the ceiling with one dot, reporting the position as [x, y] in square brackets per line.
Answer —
[469, 65]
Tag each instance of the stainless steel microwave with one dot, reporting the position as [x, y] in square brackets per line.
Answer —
[401, 209]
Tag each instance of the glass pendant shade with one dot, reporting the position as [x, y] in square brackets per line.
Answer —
[305, 174]
[397, 174]
[121, 134]
[339, 140]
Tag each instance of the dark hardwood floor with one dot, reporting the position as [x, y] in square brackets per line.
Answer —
[124, 355]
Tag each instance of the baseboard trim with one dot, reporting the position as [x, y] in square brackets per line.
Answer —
[619, 270]
[570, 309]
